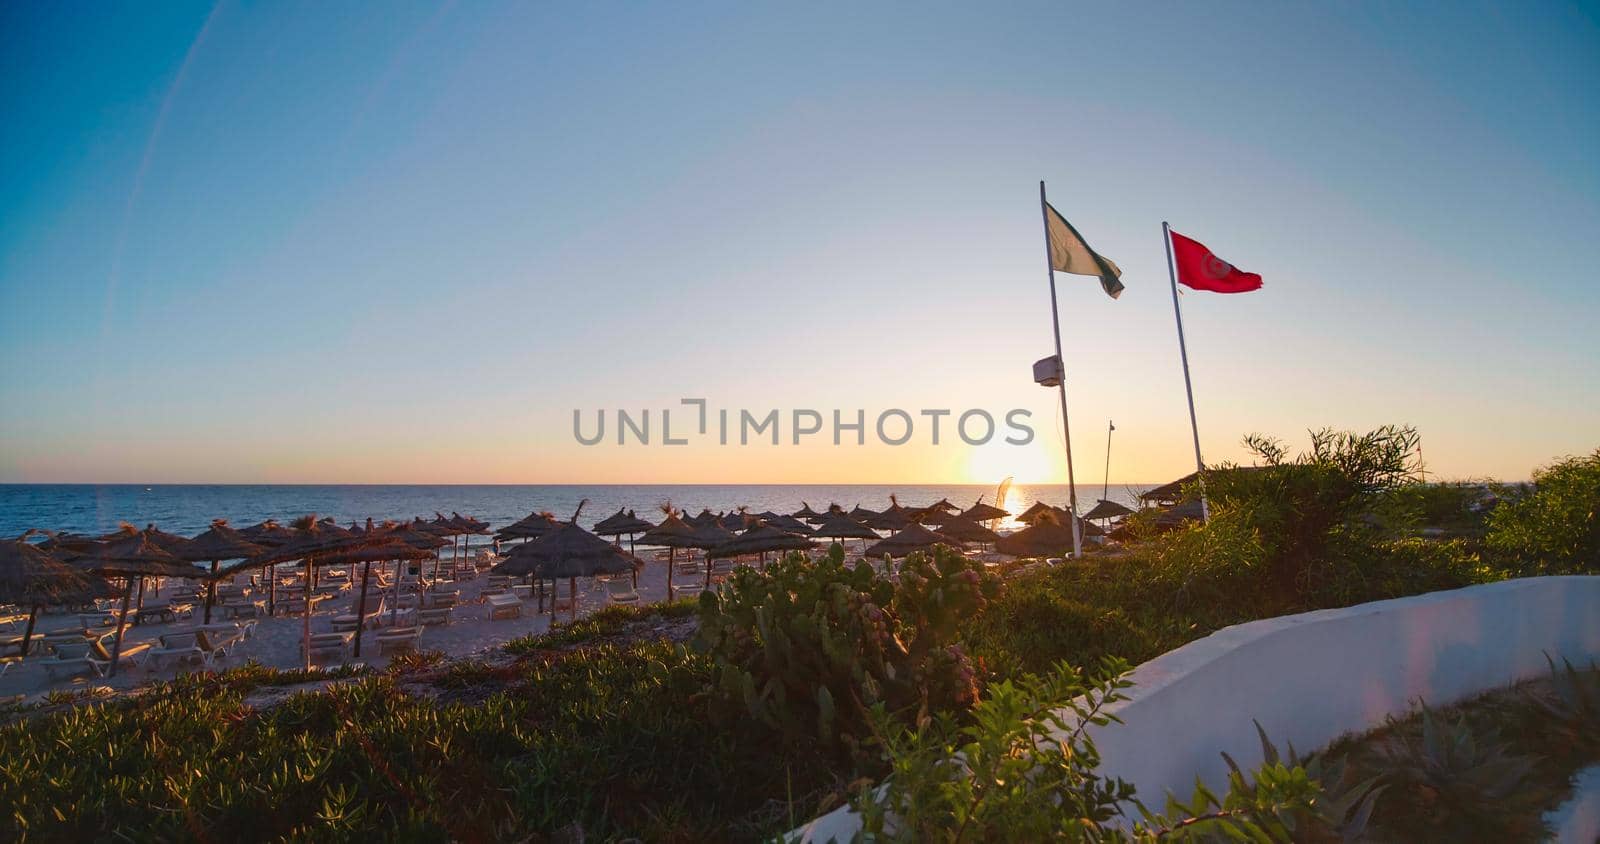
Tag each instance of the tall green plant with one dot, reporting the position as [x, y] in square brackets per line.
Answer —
[810, 648]
[1023, 767]
[1555, 529]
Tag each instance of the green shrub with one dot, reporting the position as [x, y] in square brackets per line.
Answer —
[619, 741]
[809, 648]
[1555, 529]
[1023, 768]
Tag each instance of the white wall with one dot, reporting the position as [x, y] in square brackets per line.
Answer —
[1312, 677]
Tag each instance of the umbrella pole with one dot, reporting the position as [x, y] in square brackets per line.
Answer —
[141, 593]
[211, 591]
[122, 623]
[27, 634]
[305, 618]
[361, 608]
[672, 552]
[572, 593]
[633, 548]
[272, 589]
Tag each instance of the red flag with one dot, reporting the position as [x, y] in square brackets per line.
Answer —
[1201, 269]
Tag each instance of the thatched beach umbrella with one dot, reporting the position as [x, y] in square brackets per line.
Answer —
[1027, 516]
[133, 557]
[981, 512]
[966, 530]
[707, 537]
[386, 548]
[914, 538]
[32, 578]
[862, 514]
[1046, 537]
[737, 521]
[625, 524]
[532, 526]
[805, 513]
[1107, 510]
[567, 552]
[467, 527]
[841, 527]
[788, 524]
[673, 533]
[312, 541]
[218, 543]
[760, 540]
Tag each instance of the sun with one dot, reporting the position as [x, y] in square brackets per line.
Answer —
[1024, 464]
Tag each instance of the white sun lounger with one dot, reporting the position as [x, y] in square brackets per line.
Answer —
[504, 606]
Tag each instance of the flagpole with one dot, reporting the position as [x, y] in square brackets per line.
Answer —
[1066, 427]
[1183, 352]
[1106, 479]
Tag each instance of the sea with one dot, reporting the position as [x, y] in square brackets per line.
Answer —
[188, 509]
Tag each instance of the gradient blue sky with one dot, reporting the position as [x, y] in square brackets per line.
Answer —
[401, 242]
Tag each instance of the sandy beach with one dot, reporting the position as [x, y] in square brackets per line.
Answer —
[275, 640]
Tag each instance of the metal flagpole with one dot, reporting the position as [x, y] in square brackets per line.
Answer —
[1055, 321]
[1183, 352]
[1105, 487]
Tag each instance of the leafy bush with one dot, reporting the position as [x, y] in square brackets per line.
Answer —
[618, 741]
[1555, 529]
[1024, 768]
[810, 648]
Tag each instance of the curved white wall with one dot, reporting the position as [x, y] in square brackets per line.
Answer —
[1312, 677]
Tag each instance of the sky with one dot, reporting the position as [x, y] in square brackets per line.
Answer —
[404, 242]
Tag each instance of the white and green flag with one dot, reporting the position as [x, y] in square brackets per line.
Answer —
[1070, 254]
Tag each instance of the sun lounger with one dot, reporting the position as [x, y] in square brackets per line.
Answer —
[397, 639]
[70, 660]
[693, 587]
[621, 591]
[349, 622]
[179, 647]
[434, 615]
[218, 639]
[326, 644]
[504, 606]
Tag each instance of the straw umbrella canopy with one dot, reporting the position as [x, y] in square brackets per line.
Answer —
[704, 518]
[862, 514]
[840, 526]
[967, 530]
[216, 544]
[33, 578]
[169, 542]
[313, 542]
[1107, 510]
[709, 536]
[673, 533]
[267, 534]
[571, 552]
[1047, 536]
[389, 546]
[760, 540]
[912, 539]
[788, 524]
[624, 523]
[532, 526]
[66, 546]
[133, 557]
[1033, 512]
[467, 527]
[805, 513]
[894, 519]
[738, 520]
[981, 512]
